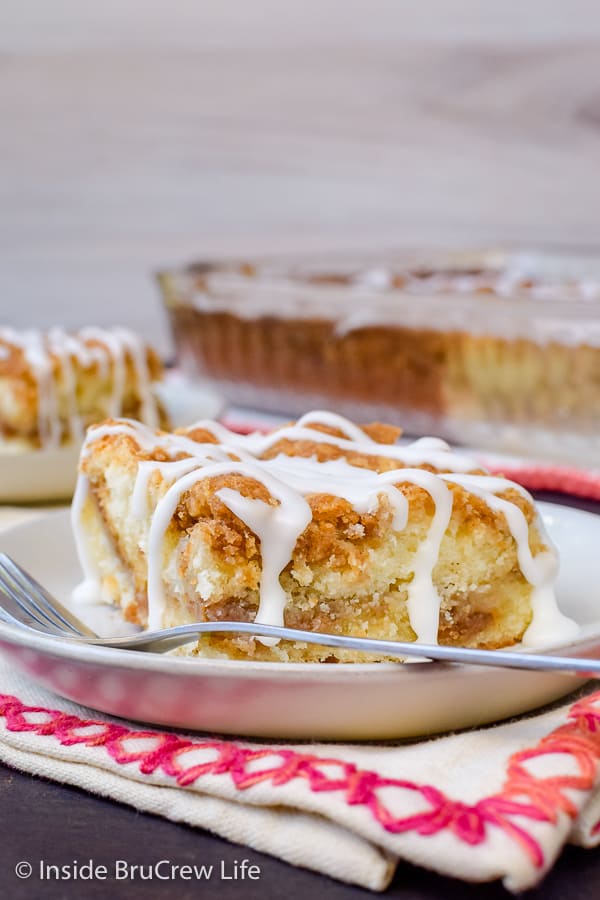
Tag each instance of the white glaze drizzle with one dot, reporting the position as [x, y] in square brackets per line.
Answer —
[65, 347]
[540, 570]
[278, 527]
[289, 480]
[136, 350]
[31, 342]
[412, 454]
[424, 451]
[88, 589]
[51, 359]
[333, 420]
[170, 471]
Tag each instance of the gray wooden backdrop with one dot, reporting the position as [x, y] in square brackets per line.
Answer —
[138, 133]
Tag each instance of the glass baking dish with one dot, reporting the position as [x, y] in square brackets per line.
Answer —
[500, 350]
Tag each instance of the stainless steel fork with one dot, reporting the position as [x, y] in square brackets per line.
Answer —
[27, 604]
[23, 601]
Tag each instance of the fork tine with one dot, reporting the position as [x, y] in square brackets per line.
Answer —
[22, 612]
[5, 615]
[15, 616]
[46, 601]
[41, 600]
[25, 602]
[28, 594]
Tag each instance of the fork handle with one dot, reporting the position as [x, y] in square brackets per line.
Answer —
[573, 662]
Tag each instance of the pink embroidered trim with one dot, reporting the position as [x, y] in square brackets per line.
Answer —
[576, 482]
[523, 795]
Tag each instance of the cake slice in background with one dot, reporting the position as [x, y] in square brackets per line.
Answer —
[54, 384]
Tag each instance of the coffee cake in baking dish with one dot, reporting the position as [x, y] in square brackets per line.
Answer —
[493, 349]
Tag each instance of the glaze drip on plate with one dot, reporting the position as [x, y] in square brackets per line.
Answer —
[290, 480]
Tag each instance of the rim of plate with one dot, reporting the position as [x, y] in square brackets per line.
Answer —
[140, 659]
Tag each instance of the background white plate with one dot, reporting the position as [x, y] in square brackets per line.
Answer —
[36, 476]
[314, 701]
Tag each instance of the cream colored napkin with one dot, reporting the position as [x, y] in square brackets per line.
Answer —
[496, 803]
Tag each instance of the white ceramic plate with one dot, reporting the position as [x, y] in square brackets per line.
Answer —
[295, 700]
[37, 476]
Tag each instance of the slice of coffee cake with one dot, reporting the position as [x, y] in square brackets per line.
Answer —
[321, 525]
